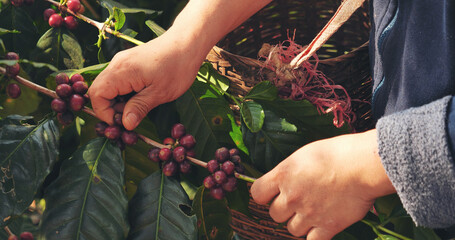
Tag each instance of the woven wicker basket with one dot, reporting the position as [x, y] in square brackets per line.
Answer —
[344, 60]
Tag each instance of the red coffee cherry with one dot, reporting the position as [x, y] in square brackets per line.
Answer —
[112, 132]
[179, 154]
[185, 167]
[62, 78]
[165, 154]
[13, 71]
[153, 154]
[55, 20]
[58, 105]
[222, 154]
[48, 13]
[220, 177]
[13, 90]
[64, 90]
[118, 119]
[74, 5]
[129, 137]
[213, 166]
[100, 128]
[12, 56]
[209, 182]
[76, 102]
[170, 168]
[26, 236]
[228, 167]
[217, 193]
[80, 87]
[187, 141]
[76, 78]
[230, 185]
[178, 131]
[70, 22]
[168, 141]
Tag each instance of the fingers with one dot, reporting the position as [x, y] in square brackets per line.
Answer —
[101, 95]
[298, 225]
[320, 234]
[266, 188]
[137, 108]
[280, 211]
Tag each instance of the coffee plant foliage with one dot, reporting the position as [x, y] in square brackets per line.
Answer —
[63, 181]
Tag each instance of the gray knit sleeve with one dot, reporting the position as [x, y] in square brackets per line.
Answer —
[414, 150]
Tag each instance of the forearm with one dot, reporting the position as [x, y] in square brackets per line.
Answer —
[203, 23]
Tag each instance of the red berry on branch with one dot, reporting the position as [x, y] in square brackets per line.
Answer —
[240, 169]
[187, 141]
[129, 137]
[58, 105]
[213, 166]
[222, 154]
[165, 154]
[191, 153]
[17, 3]
[55, 20]
[153, 154]
[64, 90]
[118, 107]
[82, 10]
[70, 22]
[170, 168]
[228, 167]
[13, 90]
[65, 118]
[13, 237]
[112, 132]
[185, 167]
[13, 71]
[230, 184]
[62, 78]
[235, 159]
[209, 182]
[74, 5]
[76, 78]
[76, 102]
[26, 236]
[233, 152]
[179, 154]
[168, 141]
[118, 119]
[80, 87]
[48, 13]
[217, 193]
[220, 177]
[12, 56]
[100, 128]
[178, 131]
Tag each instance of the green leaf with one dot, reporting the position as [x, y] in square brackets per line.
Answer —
[213, 216]
[204, 112]
[386, 237]
[274, 142]
[60, 48]
[253, 115]
[87, 200]
[155, 27]
[208, 74]
[110, 4]
[263, 91]
[27, 155]
[18, 19]
[130, 32]
[306, 117]
[26, 104]
[119, 17]
[157, 211]
[237, 136]
[421, 233]
[6, 31]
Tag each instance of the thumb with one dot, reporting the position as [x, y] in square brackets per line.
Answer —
[137, 108]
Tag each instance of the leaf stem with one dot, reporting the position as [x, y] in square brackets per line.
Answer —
[8, 231]
[90, 111]
[377, 227]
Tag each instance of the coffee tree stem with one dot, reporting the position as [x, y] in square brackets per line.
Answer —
[8, 231]
[90, 111]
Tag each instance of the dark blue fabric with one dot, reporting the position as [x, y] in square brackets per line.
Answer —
[412, 48]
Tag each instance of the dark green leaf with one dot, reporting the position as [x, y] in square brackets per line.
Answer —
[263, 91]
[156, 211]
[421, 233]
[155, 27]
[204, 112]
[213, 216]
[87, 201]
[274, 142]
[26, 158]
[6, 31]
[119, 17]
[59, 47]
[110, 4]
[18, 19]
[306, 117]
[253, 115]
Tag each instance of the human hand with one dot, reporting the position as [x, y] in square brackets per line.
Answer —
[325, 186]
[159, 71]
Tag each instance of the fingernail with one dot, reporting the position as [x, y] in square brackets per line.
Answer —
[132, 119]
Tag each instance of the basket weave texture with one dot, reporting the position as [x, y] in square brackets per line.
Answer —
[344, 59]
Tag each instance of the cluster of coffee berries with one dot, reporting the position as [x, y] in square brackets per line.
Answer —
[20, 3]
[23, 236]
[222, 170]
[72, 96]
[56, 20]
[174, 158]
[117, 132]
[13, 90]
